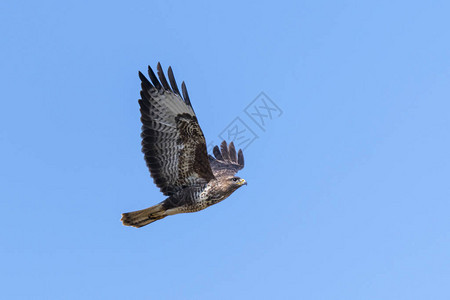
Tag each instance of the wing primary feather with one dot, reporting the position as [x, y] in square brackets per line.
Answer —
[232, 152]
[217, 153]
[185, 94]
[241, 158]
[224, 150]
[153, 78]
[162, 78]
[173, 83]
[142, 103]
[144, 82]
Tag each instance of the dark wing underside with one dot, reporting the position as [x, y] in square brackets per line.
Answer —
[172, 140]
[226, 162]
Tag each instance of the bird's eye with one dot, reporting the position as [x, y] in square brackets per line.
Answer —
[235, 179]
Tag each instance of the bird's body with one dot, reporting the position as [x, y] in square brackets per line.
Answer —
[175, 151]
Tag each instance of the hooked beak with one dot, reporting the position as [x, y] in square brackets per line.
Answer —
[242, 182]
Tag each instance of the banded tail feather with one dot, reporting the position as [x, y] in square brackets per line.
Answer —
[144, 217]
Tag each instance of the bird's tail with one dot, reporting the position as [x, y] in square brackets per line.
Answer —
[144, 217]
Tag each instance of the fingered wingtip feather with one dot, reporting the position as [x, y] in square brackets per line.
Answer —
[162, 77]
[185, 94]
[241, 158]
[224, 150]
[153, 78]
[217, 153]
[172, 81]
[142, 76]
[232, 152]
[144, 81]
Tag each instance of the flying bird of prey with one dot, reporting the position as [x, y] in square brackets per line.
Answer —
[175, 152]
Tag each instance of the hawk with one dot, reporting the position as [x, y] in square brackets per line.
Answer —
[175, 152]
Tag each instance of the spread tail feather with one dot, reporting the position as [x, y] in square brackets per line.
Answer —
[144, 217]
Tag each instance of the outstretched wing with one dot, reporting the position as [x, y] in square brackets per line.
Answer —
[226, 162]
[172, 140]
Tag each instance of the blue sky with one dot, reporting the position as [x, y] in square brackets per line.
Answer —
[348, 193]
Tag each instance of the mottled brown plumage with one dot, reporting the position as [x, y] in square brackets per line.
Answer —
[175, 152]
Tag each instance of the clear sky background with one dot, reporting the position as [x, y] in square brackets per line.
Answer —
[348, 194]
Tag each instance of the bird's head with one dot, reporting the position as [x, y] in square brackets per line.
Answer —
[236, 182]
